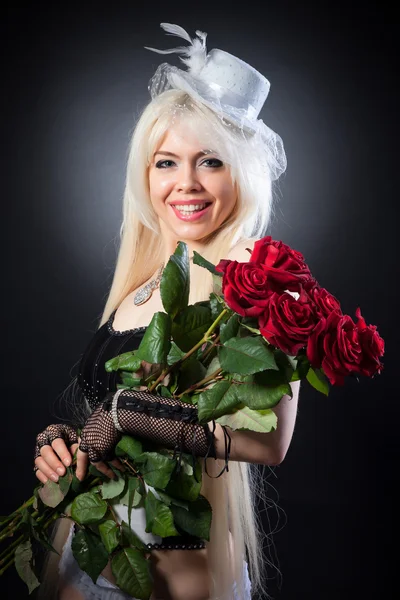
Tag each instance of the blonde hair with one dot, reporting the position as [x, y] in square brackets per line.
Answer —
[141, 251]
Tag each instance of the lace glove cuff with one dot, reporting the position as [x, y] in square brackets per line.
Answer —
[167, 422]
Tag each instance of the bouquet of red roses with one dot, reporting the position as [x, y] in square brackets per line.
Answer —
[297, 315]
[267, 323]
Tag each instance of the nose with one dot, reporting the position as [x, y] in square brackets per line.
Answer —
[188, 179]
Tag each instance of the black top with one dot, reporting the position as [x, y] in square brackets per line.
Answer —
[93, 379]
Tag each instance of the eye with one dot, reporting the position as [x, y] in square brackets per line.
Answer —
[216, 162]
[161, 164]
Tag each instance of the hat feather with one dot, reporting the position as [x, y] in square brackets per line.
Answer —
[194, 56]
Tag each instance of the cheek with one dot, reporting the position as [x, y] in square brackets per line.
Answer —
[228, 196]
[221, 187]
[159, 187]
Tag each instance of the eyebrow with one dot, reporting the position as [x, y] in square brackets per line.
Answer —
[201, 153]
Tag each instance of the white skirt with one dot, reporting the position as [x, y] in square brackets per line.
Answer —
[104, 589]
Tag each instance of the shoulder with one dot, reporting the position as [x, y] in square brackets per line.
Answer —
[240, 250]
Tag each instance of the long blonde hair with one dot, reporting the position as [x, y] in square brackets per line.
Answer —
[140, 253]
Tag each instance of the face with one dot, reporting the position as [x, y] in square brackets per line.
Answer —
[191, 188]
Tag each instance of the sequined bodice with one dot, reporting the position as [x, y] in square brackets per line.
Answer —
[93, 379]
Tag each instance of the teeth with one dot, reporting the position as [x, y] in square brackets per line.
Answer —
[188, 208]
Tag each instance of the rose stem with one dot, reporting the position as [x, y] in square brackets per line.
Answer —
[205, 338]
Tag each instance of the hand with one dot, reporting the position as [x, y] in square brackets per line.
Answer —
[55, 444]
[99, 436]
[53, 454]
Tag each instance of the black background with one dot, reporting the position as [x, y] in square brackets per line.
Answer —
[74, 79]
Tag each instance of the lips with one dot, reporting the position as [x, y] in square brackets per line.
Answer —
[195, 215]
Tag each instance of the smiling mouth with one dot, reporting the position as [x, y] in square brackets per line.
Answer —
[189, 209]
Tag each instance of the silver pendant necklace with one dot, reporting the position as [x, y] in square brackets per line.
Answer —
[146, 291]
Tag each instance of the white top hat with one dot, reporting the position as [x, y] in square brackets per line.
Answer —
[226, 84]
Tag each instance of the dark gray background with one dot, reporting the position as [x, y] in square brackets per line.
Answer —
[74, 80]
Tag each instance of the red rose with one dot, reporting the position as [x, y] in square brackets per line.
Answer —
[277, 255]
[372, 347]
[244, 286]
[342, 347]
[324, 301]
[287, 323]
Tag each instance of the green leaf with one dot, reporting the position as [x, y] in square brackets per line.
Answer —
[65, 481]
[168, 500]
[203, 262]
[132, 497]
[164, 391]
[36, 530]
[77, 486]
[318, 380]
[129, 446]
[190, 325]
[284, 373]
[156, 342]
[128, 380]
[156, 468]
[88, 508]
[132, 573]
[195, 521]
[260, 397]
[128, 361]
[23, 558]
[216, 401]
[109, 533]
[246, 356]
[302, 368]
[112, 488]
[51, 494]
[175, 354]
[191, 372]
[217, 305]
[229, 329]
[254, 393]
[175, 282]
[89, 552]
[245, 418]
[184, 485]
[129, 538]
[159, 519]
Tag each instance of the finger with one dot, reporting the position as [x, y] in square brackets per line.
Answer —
[52, 460]
[117, 463]
[41, 476]
[45, 468]
[82, 461]
[105, 469]
[63, 451]
[73, 449]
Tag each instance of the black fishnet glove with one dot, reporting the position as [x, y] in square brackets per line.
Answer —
[51, 433]
[165, 421]
[99, 435]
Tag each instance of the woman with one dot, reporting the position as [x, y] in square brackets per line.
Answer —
[200, 170]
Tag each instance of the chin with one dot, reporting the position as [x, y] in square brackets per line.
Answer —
[194, 233]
